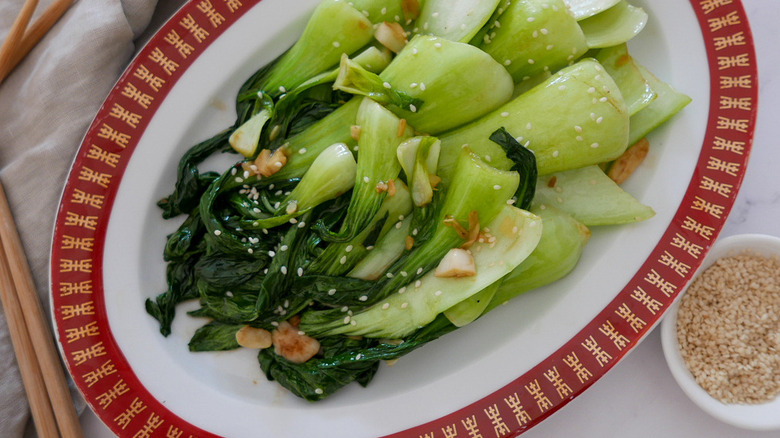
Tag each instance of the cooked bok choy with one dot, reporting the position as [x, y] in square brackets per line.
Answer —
[401, 170]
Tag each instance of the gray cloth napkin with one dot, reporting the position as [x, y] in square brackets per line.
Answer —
[46, 105]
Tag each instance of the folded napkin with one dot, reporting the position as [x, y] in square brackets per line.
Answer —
[46, 106]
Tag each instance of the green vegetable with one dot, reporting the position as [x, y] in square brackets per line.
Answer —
[614, 26]
[634, 87]
[517, 232]
[457, 83]
[334, 28]
[590, 125]
[558, 251]
[668, 103]
[380, 135]
[457, 20]
[582, 9]
[419, 158]
[591, 197]
[532, 37]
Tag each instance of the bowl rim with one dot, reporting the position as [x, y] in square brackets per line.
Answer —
[759, 417]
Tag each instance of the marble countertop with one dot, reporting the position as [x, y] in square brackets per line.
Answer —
[638, 397]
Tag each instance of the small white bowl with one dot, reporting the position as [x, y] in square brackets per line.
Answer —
[764, 416]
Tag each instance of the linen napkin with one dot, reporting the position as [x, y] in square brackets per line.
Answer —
[46, 106]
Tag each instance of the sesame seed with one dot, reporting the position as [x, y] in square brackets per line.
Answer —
[413, 85]
[422, 86]
[404, 305]
[365, 179]
[398, 225]
[389, 275]
[603, 99]
[250, 251]
[600, 119]
[417, 283]
[414, 51]
[496, 187]
[594, 145]
[437, 293]
[302, 151]
[562, 87]
[507, 62]
[531, 61]
[318, 391]
[437, 45]
[239, 179]
[402, 290]
[544, 31]
[404, 274]
[332, 292]
[217, 232]
[555, 154]
[528, 126]
[336, 44]
[283, 269]
[283, 248]
[419, 271]
[271, 254]
[505, 114]
[385, 306]
[363, 298]
[343, 260]
[550, 47]
[348, 248]
[300, 272]
[387, 85]
[592, 90]
[346, 319]
[578, 128]
[530, 19]
[412, 108]
[281, 90]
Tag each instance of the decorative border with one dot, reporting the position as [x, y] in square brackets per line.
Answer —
[110, 386]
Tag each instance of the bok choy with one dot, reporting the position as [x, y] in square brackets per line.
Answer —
[401, 170]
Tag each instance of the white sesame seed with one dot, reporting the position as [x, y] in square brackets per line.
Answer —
[507, 62]
[332, 292]
[578, 128]
[505, 114]
[239, 179]
[402, 290]
[437, 45]
[561, 87]
[437, 293]
[404, 274]
[414, 50]
[412, 108]
[419, 271]
[398, 225]
[413, 85]
[271, 254]
[422, 86]
[300, 272]
[417, 283]
[283, 248]
[555, 154]
[530, 19]
[346, 320]
[531, 61]
[594, 145]
[281, 89]
[603, 99]
[592, 90]
[348, 248]
[387, 85]
[579, 138]
[302, 151]
[528, 126]
[250, 251]
[544, 31]
[365, 179]
[363, 298]
[600, 119]
[343, 260]
[217, 232]
[283, 269]
[318, 391]
[389, 275]
[496, 187]
[404, 305]
[385, 306]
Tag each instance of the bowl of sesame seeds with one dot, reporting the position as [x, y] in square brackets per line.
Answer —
[721, 338]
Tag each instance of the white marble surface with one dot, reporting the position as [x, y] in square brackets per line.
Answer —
[639, 397]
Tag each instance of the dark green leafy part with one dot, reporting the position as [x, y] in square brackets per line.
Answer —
[181, 287]
[215, 336]
[524, 164]
[344, 360]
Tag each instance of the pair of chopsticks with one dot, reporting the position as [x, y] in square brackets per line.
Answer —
[21, 38]
[39, 363]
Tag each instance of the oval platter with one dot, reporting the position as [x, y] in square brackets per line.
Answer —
[499, 376]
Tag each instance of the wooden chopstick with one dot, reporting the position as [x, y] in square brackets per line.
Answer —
[14, 37]
[23, 42]
[34, 386]
[35, 326]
